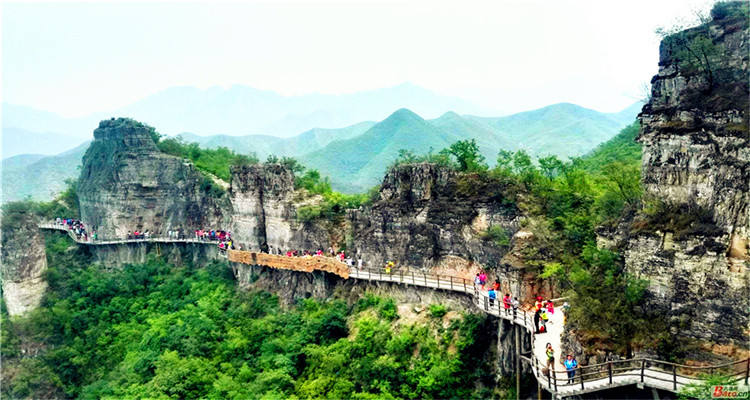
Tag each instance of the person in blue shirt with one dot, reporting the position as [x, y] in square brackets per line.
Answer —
[492, 296]
[570, 365]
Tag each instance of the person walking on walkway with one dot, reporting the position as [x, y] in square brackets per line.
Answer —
[492, 295]
[544, 317]
[570, 365]
[507, 303]
[550, 353]
[536, 320]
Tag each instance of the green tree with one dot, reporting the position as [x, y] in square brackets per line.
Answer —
[467, 155]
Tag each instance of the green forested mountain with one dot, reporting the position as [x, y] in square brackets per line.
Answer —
[564, 130]
[263, 145]
[359, 162]
[621, 148]
[37, 176]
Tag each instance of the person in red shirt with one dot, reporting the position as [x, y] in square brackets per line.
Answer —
[507, 303]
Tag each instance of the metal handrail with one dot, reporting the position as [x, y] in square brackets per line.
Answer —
[639, 368]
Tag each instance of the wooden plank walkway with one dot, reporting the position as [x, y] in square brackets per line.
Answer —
[588, 379]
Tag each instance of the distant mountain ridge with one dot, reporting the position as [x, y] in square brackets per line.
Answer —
[37, 176]
[565, 130]
[356, 157]
[243, 110]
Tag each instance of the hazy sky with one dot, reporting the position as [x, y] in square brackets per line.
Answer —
[77, 58]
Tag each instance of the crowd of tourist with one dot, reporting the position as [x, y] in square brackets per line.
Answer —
[136, 234]
[77, 228]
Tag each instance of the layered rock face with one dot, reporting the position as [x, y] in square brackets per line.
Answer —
[430, 218]
[23, 266]
[126, 184]
[696, 160]
[264, 213]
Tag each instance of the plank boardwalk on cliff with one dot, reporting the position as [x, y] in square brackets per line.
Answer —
[642, 372]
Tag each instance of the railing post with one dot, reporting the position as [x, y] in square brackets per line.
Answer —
[413, 282]
[401, 276]
[643, 368]
[424, 275]
[451, 282]
[609, 371]
[580, 375]
[438, 279]
[485, 304]
[747, 370]
[369, 274]
[549, 380]
[674, 377]
[537, 364]
[554, 376]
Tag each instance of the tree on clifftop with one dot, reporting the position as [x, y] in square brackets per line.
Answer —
[467, 155]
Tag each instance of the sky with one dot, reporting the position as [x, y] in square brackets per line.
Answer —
[78, 58]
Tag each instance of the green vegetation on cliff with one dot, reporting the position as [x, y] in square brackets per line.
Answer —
[213, 161]
[563, 203]
[160, 331]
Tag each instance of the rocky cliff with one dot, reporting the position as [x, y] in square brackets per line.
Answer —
[126, 184]
[265, 214]
[692, 239]
[430, 218]
[24, 264]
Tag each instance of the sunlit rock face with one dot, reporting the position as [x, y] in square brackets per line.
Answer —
[265, 212]
[696, 161]
[24, 264]
[126, 183]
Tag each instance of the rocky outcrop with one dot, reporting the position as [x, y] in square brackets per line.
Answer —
[24, 264]
[265, 214]
[431, 218]
[693, 243]
[126, 184]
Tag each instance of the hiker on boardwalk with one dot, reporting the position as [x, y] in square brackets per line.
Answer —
[565, 310]
[388, 267]
[516, 304]
[570, 365]
[550, 307]
[492, 295]
[482, 279]
[477, 281]
[536, 320]
[550, 353]
[544, 317]
[538, 305]
[507, 303]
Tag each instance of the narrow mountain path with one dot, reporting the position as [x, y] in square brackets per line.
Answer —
[590, 378]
